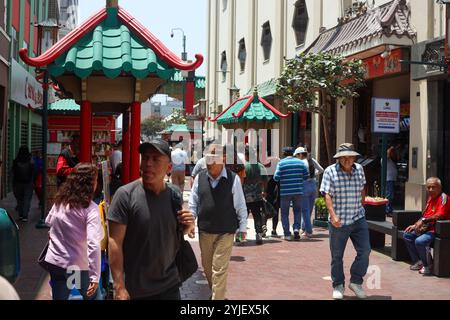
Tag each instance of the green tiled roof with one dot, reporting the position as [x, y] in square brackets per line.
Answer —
[111, 48]
[179, 128]
[256, 112]
[64, 105]
[200, 82]
[265, 89]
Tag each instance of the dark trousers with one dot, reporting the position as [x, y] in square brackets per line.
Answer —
[256, 209]
[170, 294]
[23, 192]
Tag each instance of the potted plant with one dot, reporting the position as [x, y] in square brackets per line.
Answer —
[321, 213]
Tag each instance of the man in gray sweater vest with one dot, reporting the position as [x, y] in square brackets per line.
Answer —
[217, 200]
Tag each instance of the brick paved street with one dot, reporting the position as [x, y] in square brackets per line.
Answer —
[277, 270]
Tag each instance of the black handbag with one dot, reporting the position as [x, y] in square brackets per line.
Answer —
[185, 259]
[41, 260]
[269, 211]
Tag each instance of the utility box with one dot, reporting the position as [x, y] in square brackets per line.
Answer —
[9, 247]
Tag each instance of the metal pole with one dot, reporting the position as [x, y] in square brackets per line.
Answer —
[184, 55]
[384, 165]
[41, 224]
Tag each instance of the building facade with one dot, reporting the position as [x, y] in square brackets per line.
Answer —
[5, 41]
[249, 40]
[24, 123]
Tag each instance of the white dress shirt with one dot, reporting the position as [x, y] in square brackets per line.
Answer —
[238, 198]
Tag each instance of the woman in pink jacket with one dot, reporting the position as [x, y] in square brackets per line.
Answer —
[75, 234]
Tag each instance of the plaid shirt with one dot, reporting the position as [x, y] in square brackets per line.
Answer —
[345, 190]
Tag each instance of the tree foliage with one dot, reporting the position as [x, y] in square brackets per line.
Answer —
[152, 125]
[177, 117]
[308, 74]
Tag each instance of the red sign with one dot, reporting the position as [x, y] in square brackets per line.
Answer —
[378, 66]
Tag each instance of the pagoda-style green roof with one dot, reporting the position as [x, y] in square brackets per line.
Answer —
[180, 128]
[64, 105]
[200, 81]
[111, 48]
[250, 109]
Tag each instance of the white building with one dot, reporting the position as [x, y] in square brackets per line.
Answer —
[249, 40]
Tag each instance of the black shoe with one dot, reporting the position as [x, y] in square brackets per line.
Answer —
[274, 234]
[259, 240]
[296, 236]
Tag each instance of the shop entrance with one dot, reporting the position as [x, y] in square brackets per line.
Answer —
[369, 144]
[445, 168]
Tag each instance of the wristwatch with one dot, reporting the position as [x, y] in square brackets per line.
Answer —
[424, 219]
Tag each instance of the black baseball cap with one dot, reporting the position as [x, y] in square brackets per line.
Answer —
[161, 145]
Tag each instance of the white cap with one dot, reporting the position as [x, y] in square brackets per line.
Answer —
[300, 150]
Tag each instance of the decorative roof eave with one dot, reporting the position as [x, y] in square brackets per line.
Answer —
[229, 107]
[65, 43]
[388, 22]
[247, 105]
[78, 33]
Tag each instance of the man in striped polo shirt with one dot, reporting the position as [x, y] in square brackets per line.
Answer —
[343, 188]
[291, 172]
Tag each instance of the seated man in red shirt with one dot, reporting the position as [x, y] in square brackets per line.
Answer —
[67, 160]
[420, 235]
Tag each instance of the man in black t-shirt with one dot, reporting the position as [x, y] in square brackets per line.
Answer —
[143, 240]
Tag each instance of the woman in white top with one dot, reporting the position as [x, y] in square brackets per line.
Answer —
[309, 190]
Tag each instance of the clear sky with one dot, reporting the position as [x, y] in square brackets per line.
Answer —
[160, 16]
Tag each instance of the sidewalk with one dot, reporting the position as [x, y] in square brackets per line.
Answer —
[276, 270]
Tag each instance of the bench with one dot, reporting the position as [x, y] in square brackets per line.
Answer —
[401, 219]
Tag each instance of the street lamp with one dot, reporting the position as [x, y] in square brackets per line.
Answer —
[47, 37]
[184, 53]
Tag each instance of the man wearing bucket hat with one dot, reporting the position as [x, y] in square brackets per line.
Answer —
[343, 188]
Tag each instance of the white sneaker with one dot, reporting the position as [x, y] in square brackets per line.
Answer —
[358, 290]
[288, 238]
[338, 292]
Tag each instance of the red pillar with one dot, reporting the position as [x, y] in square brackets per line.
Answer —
[189, 97]
[135, 140]
[126, 147]
[86, 132]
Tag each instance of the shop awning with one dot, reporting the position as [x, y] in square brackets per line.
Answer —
[385, 25]
[265, 89]
[249, 109]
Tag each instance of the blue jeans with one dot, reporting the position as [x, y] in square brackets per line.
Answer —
[358, 232]
[61, 290]
[390, 191]
[285, 205]
[308, 198]
[418, 245]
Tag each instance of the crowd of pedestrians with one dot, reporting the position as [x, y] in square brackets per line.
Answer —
[132, 247]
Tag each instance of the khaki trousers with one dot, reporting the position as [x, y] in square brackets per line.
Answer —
[178, 179]
[216, 253]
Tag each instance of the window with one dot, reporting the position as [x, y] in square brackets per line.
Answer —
[224, 5]
[300, 22]
[3, 14]
[15, 43]
[224, 66]
[242, 54]
[266, 40]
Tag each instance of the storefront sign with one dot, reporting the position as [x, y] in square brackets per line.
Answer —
[385, 115]
[25, 89]
[378, 66]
